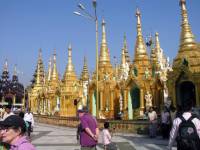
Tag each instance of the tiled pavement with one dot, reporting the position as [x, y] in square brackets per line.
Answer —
[48, 137]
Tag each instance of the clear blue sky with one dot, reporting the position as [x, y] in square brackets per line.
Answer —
[27, 25]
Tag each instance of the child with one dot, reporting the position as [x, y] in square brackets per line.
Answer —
[108, 145]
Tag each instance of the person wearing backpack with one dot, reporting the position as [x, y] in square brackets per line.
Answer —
[185, 130]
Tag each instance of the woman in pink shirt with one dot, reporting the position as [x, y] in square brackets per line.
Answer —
[13, 133]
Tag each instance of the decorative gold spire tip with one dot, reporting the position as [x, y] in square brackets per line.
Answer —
[182, 2]
[137, 12]
[69, 46]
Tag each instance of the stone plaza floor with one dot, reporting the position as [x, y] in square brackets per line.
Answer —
[49, 137]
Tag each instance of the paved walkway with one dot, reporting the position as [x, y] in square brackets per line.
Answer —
[48, 137]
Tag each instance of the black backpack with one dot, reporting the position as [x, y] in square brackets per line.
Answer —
[187, 138]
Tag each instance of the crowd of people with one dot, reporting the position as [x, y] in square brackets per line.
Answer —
[180, 125]
[15, 129]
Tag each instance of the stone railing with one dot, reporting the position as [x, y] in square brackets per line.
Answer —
[131, 126]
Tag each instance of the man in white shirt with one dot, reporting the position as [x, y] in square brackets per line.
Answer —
[152, 115]
[8, 112]
[186, 115]
[28, 117]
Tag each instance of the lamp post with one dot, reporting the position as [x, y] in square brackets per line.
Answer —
[95, 19]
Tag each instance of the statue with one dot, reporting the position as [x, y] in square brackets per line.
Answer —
[135, 72]
[101, 115]
[106, 76]
[148, 99]
[120, 102]
[126, 70]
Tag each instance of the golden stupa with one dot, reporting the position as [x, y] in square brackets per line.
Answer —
[184, 80]
[125, 90]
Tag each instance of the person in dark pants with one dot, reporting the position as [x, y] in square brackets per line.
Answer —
[78, 132]
[166, 123]
[90, 131]
[28, 117]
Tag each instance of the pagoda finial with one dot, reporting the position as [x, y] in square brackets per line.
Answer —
[15, 70]
[85, 74]
[104, 54]
[153, 56]
[40, 53]
[49, 69]
[123, 58]
[5, 68]
[138, 16]
[38, 79]
[54, 75]
[70, 66]
[103, 31]
[157, 42]
[125, 47]
[140, 48]
[69, 71]
[187, 37]
[40, 76]
[15, 77]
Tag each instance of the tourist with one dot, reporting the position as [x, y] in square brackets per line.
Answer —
[165, 123]
[2, 110]
[152, 115]
[13, 133]
[108, 144]
[172, 113]
[3, 146]
[78, 132]
[185, 129]
[90, 131]
[28, 117]
[179, 111]
[8, 112]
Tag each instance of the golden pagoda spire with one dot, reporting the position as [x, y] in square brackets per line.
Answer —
[125, 47]
[157, 42]
[49, 70]
[153, 51]
[40, 54]
[15, 70]
[85, 74]
[104, 55]
[189, 52]
[38, 75]
[70, 67]
[157, 46]
[40, 69]
[140, 48]
[54, 76]
[69, 72]
[5, 68]
[187, 37]
[123, 59]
